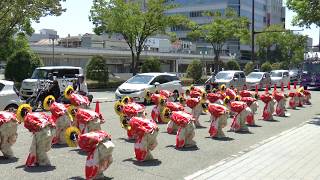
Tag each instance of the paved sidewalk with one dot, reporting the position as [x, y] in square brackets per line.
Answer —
[294, 154]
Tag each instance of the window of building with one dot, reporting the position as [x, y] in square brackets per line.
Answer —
[196, 14]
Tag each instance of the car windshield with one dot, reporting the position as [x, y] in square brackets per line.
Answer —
[254, 76]
[276, 74]
[224, 75]
[140, 79]
[40, 74]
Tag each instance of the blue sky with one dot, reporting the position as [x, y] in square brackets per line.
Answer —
[75, 21]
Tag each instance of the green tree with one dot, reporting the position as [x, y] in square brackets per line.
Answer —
[97, 69]
[248, 68]
[232, 65]
[266, 67]
[308, 11]
[279, 45]
[21, 65]
[17, 15]
[132, 22]
[194, 70]
[151, 65]
[13, 45]
[223, 27]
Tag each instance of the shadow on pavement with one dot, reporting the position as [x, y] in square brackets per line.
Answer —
[81, 178]
[193, 148]
[37, 169]
[79, 151]
[154, 162]
[255, 125]
[57, 146]
[221, 139]
[4, 160]
[315, 121]
[244, 132]
[201, 127]
[127, 140]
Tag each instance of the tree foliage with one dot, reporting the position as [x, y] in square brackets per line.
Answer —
[248, 68]
[13, 45]
[266, 67]
[151, 65]
[222, 28]
[194, 70]
[278, 45]
[21, 65]
[97, 69]
[308, 11]
[232, 65]
[276, 66]
[16, 15]
[134, 21]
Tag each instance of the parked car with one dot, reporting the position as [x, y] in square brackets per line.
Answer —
[280, 76]
[262, 79]
[9, 98]
[210, 84]
[236, 79]
[136, 86]
[64, 74]
[295, 75]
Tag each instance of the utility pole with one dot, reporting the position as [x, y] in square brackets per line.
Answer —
[252, 33]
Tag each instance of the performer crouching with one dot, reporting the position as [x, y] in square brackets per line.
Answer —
[307, 97]
[8, 133]
[186, 133]
[241, 112]
[97, 145]
[159, 101]
[219, 116]
[42, 128]
[198, 106]
[145, 132]
[294, 100]
[281, 104]
[253, 105]
[76, 99]
[61, 117]
[171, 126]
[268, 109]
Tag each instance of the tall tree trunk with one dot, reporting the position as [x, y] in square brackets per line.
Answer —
[133, 62]
[137, 62]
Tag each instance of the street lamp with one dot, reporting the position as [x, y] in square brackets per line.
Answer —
[53, 37]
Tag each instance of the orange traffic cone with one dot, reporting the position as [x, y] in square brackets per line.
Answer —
[97, 110]
[275, 87]
[282, 87]
[257, 88]
[289, 86]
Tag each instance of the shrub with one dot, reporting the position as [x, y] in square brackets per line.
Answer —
[97, 69]
[21, 65]
[232, 65]
[266, 67]
[248, 68]
[151, 65]
[194, 70]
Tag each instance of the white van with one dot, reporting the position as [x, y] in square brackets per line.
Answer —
[236, 79]
[279, 76]
[64, 74]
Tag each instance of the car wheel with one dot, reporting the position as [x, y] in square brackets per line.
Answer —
[305, 87]
[11, 107]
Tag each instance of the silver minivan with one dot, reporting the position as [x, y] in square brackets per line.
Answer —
[279, 77]
[236, 79]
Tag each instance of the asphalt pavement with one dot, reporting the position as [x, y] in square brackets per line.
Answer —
[68, 163]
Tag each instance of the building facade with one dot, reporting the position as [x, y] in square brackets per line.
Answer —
[267, 12]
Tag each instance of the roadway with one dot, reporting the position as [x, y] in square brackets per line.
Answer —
[68, 163]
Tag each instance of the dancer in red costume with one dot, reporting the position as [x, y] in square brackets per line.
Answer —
[253, 105]
[198, 106]
[294, 100]
[76, 99]
[186, 133]
[145, 132]
[241, 112]
[268, 109]
[219, 116]
[281, 104]
[42, 127]
[8, 133]
[160, 103]
[171, 126]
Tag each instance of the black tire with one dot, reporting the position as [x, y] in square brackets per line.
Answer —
[11, 107]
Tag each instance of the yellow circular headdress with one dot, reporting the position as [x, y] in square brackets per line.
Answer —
[147, 95]
[48, 101]
[23, 109]
[237, 98]
[300, 90]
[118, 107]
[162, 101]
[126, 100]
[226, 100]
[71, 112]
[165, 114]
[67, 92]
[223, 87]
[71, 136]
[182, 100]
[124, 122]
